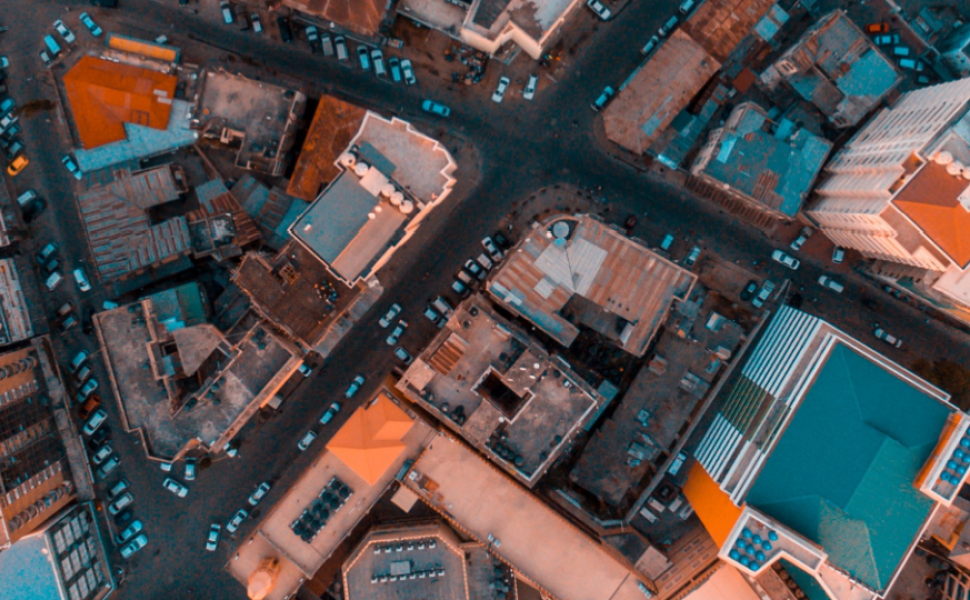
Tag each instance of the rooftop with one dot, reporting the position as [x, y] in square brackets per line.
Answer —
[593, 277]
[371, 440]
[122, 236]
[535, 17]
[658, 92]
[105, 95]
[541, 545]
[937, 202]
[27, 572]
[836, 67]
[335, 123]
[773, 164]
[720, 25]
[261, 117]
[393, 176]
[359, 16]
[500, 389]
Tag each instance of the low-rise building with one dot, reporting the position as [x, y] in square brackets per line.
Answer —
[182, 383]
[827, 458]
[955, 51]
[836, 67]
[360, 18]
[769, 166]
[15, 320]
[574, 271]
[488, 380]
[258, 118]
[391, 177]
[66, 560]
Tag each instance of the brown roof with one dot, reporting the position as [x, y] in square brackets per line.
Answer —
[931, 200]
[334, 124]
[720, 25]
[105, 95]
[658, 92]
[360, 16]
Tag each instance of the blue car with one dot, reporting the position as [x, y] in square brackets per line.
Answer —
[435, 108]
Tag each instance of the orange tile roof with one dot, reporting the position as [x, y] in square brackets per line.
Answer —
[335, 123]
[931, 200]
[104, 96]
[712, 505]
[370, 441]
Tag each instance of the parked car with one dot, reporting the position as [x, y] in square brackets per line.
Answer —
[121, 503]
[475, 269]
[911, 63]
[212, 541]
[887, 337]
[377, 57]
[530, 87]
[45, 58]
[340, 45]
[109, 466]
[261, 490]
[236, 520]
[692, 257]
[286, 33]
[888, 39]
[94, 422]
[100, 437]
[441, 305]
[82, 280]
[313, 37]
[134, 546]
[354, 386]
[436, 109]
[652, 44]
[880, 27]
[71, 166]
[389, 317]
[603, 99]
[305, 369]
[686, 6]
[89, 406]
[53, 280]
[803, 236]
[597, 7]
[499, 94]
[363, 54]
[329, 415]
[766, 290]
[66, 33]
[326, 44]
[749, 290]
[303, 444]
[88, 22]
[827, 282]
[228, 16]
[67, 323]
[394, 64]
[838, 255]
[123, 518]
[493, 252]
[46, 253]
[118, 488]
[101, 454]
[191, 468]
[668, 27]
[175, 487]
[435, 317]
[128, 532]
[897, 294]
[403, 355]
[87, 389]
[408, 72]
[17, 165]
[789, 261]
[397, 333]
[460, 288]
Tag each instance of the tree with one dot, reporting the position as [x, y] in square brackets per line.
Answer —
[949, 376]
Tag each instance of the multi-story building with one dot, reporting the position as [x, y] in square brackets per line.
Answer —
[35, 476]
[65, 560]
[899, 191]
[828, 459]
[15, 321]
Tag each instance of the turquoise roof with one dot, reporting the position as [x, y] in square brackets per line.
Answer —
[843, 472]
[809, 585]
[27, 572]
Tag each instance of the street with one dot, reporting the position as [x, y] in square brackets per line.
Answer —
[521, 147]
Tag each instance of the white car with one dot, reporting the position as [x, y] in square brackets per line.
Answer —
[261, 491]
[123, 502]
[408, 70]
[175, 487]
[828, 282]
[392, 314]
[403, 355]
[106, 469]
[72, 167]
[377, 57]
[304, 443]
[887, 337]
[803, 236]
[94, 422]
[130, 531]
[134, 546]
[354, 386]
[191, 467]
[53, 280]
[102, 454]
[766, 289]
[212, 541]
[597, 7]
[66, 33]
[789, 261]
[305, 369]
[397, 333]
[838, 255]
[493, 252]
[82, 280]
[499, 95]
[330, 414]
[530, 87]
[236, 520]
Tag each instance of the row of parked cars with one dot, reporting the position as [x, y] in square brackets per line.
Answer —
[17, 159]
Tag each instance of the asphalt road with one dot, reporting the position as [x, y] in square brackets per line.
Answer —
[522, 147]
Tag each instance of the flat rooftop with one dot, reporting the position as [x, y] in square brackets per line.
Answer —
[539, 543]
[267, 114]
[534, 17]
[334, 125]
[360, 16]
[500, 389]
[593, 276]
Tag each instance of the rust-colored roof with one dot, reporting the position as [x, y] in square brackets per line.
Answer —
[931, 200]
[104, 96]
[360, 16]
[720, 25]
[334, 124]
[370, 441]
[712, 505]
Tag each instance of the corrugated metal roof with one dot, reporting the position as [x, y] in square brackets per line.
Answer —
[104, 95]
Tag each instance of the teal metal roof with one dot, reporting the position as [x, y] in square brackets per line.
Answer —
[843, 472]
[809, 585]
[27, 572]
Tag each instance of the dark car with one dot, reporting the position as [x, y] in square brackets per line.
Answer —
[749, 289]
[502, 241]
[286, 34]
[898, 295]
[122, 518]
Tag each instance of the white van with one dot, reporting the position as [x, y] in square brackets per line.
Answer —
[341, 46]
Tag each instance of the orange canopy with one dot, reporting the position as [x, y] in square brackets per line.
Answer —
[370, 441]
[104, 96]
[712, 505]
